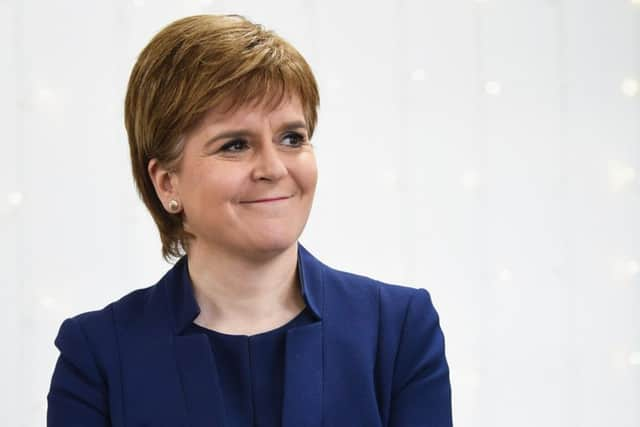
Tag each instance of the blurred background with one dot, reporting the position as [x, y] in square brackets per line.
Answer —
[488, 151]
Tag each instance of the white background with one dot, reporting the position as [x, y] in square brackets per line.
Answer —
[487, 151]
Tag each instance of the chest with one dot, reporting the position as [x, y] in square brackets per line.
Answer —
[315, 379]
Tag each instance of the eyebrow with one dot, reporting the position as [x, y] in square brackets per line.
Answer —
[242, 133]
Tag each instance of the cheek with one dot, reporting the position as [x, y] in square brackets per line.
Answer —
[213, 184]
[222, 188]
[308, 174]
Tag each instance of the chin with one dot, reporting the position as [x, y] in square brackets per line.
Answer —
[273, 246]
[273, 243]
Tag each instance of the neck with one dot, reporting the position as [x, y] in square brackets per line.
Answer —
[236, 293]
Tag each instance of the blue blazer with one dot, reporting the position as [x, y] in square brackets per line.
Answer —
[374, 357]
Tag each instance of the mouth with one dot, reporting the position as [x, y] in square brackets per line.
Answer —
[266, 200]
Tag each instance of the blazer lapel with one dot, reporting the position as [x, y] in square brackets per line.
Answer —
[200, 383]
[304, 370]
[195, 362]
[303, 378]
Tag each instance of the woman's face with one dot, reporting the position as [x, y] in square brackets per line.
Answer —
[247, 179]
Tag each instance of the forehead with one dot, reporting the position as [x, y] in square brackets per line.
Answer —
[287, 108]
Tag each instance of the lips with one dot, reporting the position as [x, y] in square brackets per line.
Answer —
[266, 200]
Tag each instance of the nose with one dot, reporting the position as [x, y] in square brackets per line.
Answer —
[268, 164]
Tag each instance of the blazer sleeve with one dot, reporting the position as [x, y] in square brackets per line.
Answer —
[78, 393]
[421, 390]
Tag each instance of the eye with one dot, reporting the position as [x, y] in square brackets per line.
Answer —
[293, 139]
[235, 146]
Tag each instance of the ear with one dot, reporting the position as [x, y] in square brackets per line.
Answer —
[165, 183]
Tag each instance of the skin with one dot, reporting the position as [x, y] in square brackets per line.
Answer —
[243, 260]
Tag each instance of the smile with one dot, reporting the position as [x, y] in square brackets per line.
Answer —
[273, 199]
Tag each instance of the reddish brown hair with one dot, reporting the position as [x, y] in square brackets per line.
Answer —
[192, 65]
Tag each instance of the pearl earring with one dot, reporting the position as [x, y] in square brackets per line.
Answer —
[174, 205]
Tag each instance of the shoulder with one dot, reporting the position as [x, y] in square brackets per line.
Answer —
[395, 296]
[402, 311]
[96, 329]
[398, 313]
[402, 319]
[134, 301]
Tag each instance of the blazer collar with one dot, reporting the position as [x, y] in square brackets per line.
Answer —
[184, 307]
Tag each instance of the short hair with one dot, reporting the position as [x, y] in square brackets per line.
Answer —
[192, 65]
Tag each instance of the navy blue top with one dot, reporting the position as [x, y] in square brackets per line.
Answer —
[373, 356]
[251, 372]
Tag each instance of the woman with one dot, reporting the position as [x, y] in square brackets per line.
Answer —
[248, 328]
